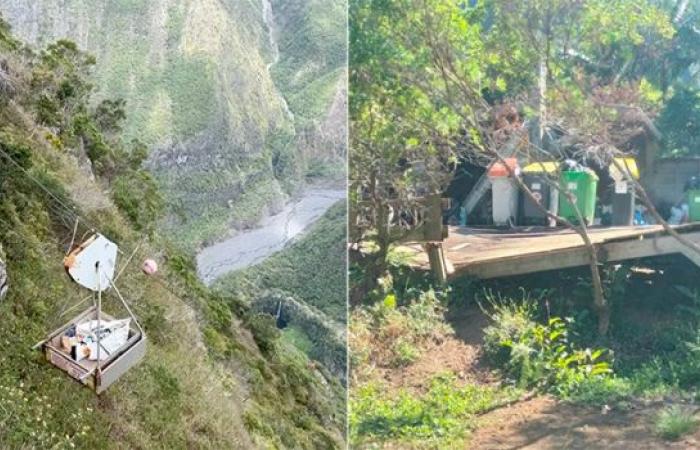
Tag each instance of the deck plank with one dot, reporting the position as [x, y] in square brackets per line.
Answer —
[485, 253]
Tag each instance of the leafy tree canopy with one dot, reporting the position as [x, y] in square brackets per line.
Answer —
[428, 78]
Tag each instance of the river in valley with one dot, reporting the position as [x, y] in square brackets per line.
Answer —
[250, 247]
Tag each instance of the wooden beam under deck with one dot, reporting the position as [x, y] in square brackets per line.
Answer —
[491, 254]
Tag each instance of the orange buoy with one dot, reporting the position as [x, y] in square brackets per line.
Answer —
[149, 267]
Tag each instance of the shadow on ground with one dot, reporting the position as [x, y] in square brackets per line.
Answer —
[543, 423]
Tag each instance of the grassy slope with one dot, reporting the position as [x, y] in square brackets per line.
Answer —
[312, 42]
[312, 37]
[206, 382]
[195, 78]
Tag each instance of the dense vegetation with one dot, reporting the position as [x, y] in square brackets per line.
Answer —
[540, 343]
[217, 374]
[321, 252]
[439, 83]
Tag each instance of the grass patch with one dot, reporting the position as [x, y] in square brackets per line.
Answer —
[298, 338]
[602, 391]
[674, 422]
[442, 416]
[391, 336]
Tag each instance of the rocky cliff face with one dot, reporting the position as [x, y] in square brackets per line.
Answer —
[233, 96]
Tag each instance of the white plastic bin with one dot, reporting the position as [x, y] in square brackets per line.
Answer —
[504, 193]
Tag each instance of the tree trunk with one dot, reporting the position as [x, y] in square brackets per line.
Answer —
[542, 98]
[600, 304]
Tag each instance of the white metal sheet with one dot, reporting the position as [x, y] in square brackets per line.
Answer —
[83, 266]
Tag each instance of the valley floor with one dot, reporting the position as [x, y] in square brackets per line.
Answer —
[272, 234]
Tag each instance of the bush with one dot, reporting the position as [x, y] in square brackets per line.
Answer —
[540, 355]
[137, 194]
[216, 342]
[264, 329]
[674, 422]
[511, 321]
[404, 353]
[419, 320]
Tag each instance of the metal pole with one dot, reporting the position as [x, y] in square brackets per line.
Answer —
[133, 316]
[126, 264]
[99, 316]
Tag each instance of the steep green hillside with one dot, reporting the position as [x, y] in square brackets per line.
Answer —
[311, 73]
[216, 374]
[312, 37]
[309, 277]
[196, 79]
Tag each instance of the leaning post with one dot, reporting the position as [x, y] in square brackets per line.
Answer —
[434, 233]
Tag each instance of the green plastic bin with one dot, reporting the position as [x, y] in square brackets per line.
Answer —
[694, 205]
[583, 186]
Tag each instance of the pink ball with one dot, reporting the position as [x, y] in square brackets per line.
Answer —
[149, 267]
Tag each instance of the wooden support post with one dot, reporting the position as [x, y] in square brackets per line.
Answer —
[436, 256]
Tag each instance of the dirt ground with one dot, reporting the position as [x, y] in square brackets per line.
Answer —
[538, 423]
[460, 355]
[543, 423]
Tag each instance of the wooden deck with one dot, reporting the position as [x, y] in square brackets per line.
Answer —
[484, 253]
